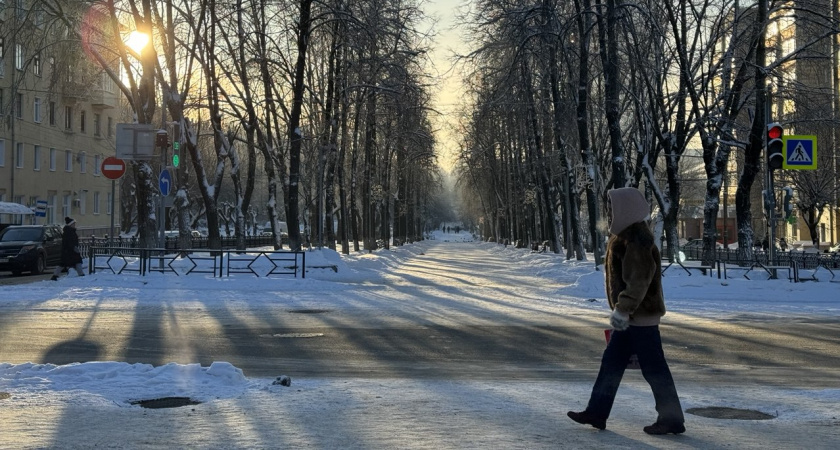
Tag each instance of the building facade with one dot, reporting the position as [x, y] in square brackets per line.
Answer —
[59, 116]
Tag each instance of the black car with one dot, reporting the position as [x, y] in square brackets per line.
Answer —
[30, 248]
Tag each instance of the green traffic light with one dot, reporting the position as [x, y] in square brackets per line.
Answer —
[175, 160]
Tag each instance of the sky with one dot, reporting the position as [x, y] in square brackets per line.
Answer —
[108, 387]
[448, 93]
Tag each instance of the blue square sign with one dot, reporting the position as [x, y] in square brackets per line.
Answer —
[800, 152]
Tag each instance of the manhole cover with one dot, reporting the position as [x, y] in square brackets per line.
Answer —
[298, 335]
[308, 311]
[721, 412]
[4, 395]
[166, 402]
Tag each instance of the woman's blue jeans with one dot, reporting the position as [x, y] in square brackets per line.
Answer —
[646, 343]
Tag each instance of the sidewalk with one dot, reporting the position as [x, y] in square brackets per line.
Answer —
[414, 414]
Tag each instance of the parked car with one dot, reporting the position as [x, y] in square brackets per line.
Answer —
[30, 248]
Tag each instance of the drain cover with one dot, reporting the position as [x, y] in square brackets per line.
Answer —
[721, 412]
[308, 311]
[166, 402]
[4, 395]
[298, 335]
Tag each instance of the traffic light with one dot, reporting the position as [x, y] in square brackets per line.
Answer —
[176, 153]
[176, 145]
[786, 202]
[775, 156]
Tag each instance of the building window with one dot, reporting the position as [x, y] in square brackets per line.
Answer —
[19, 106]
[108, 201]
[36, 110]
[82, 162]
[36, 163]
[82, 202]
[110, 126]
[51, 208]
[82, 121]
[97, 124]
[96, 202]
[52, 113]
[2, 54]
[68, 118]
[65, 205]
[36, 64]
[2, 153]
[21, 11]
[97, 163]
[19, 155]
[19, 56]
[68, 160]
[53, 157]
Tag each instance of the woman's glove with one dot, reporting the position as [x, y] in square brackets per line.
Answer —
[619, 320]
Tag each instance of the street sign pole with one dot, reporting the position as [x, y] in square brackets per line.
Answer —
[113, 211]
[162, 142]
[113, 168]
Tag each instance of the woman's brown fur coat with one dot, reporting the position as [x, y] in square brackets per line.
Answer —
[634, 276]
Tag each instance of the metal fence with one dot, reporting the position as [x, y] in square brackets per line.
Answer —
[173, 243]
[218, 263]
[803, 260]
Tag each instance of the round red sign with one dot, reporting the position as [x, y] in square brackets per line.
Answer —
[113, 168]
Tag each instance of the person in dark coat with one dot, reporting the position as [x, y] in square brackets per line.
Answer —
[633, 281]
[70, 256]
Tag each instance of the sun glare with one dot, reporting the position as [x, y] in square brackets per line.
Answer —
[136, 41]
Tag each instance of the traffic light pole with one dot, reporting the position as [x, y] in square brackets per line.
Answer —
[771, 194]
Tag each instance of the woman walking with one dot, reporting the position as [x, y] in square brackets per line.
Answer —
[634, 292]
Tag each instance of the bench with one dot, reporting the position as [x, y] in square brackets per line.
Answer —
[771, 270]
[688, 266]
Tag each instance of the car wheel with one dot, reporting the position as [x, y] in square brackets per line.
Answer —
[39, 266]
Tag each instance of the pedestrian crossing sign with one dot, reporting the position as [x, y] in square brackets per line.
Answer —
[800, 152]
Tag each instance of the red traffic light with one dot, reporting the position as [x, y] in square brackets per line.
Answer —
[774, 131]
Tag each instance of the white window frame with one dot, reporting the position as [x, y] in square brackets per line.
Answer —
[96, 203]
[108, 201]
[19, 156]
[97, 165]
[36, 64]
[19, 56]
[53, 157]
[66, 205]
[36, 161]
[83, 202]
[68, 118]
[36, 110]
[68, 160]
[51, 208]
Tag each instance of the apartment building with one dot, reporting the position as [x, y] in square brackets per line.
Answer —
[58, 115]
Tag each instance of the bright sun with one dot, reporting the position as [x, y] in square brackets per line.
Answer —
[136, 40]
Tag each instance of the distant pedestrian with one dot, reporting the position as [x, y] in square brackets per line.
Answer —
[765, 244]
[70, 254]
[783, 244]
[634, 291]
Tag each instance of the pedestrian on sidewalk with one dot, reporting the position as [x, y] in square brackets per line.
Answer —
[70, 254]
[634, 292]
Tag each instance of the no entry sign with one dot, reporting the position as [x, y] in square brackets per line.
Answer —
[113, 168]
